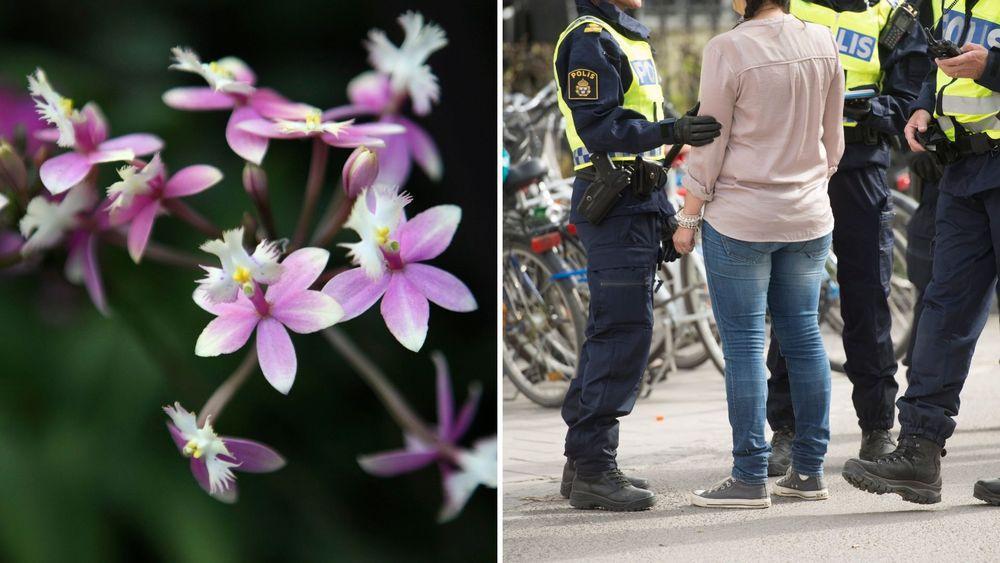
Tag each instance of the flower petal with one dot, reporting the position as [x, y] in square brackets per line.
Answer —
[445, 401]
[429, 233]
[394, 162]
[405, 311]
[252, 456]
[276, 354]
[355, 291]
[142, 226]
[441, 288]
[200, 472]
[458, 488]
[191, 180]
[117, 155]
[267, 128]
[307, 311]
[339, 113]
[351, 140]
[62, 172]
[177, 436]
[371, 90]
[396, 462]
[423, 149]
[468, 412]
[93, 130]
[298, 271]
[139, 143]
[92, 275]
[273, 105]
[239, 69]
[246, 145]
[197, 98]
[227, 333]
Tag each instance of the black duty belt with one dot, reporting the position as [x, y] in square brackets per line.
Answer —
[975, 145]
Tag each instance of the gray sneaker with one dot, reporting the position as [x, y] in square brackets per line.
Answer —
[809, 487]
[732, 493]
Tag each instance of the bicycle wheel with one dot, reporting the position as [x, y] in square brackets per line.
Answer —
[699, 307]
[543, 324]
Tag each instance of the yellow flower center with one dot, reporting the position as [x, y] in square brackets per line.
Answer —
[216, 68]
[242, 275]
[192, 449]
[382, 235]
[66, 105]
[314, 119]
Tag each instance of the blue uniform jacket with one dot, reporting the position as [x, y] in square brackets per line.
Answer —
[973, 174]
[603, 124]
[904, 70]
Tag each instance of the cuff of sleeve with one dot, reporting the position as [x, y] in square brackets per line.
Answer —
[991, 74]
[697, 189]
[830, 171]
[667, 131]
[921, 103]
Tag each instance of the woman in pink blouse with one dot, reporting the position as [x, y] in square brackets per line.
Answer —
[776, 86]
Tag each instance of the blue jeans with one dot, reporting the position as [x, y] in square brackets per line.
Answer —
[745, 280]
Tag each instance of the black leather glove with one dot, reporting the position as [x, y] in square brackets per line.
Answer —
[857, 110]
[926, 165]
[667, 228]
[694, 130]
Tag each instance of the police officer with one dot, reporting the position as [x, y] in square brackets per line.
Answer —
[862, 210]
[958, 105]
[610, 95]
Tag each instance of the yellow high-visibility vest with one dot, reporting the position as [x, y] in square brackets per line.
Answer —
[973, 106]
[644, 95]
[856, 35]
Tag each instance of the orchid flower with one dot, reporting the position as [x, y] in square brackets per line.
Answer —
[461, 472]
[240, 269]
[214, 457]
[388, 258]
[231, 83]
[293, 120]
[405, 64]
[47, 222]
[287, 304]
[17, 112]
[86, 132]
[401, 72]
[138, 197]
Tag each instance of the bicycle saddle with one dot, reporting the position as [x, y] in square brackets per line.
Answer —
[525, 173]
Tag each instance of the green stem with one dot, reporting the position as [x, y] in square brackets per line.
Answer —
[314, 185]
[220, 398]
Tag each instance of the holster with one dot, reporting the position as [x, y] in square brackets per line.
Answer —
[608, 182]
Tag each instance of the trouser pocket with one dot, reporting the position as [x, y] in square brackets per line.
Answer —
[622, 297]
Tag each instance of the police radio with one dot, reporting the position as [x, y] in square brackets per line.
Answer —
[902, 20]
[943, 48]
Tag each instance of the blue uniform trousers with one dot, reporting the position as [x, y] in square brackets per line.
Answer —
[622, 255]
[955, 310]
[862, 241]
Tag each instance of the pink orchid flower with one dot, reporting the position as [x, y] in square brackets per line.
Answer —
[462, 470]
[214, 457]
[389, 255]
[86, 132]
[287, 304]
[285, 119]
[231, 85]
[73, 219]
[139, 195]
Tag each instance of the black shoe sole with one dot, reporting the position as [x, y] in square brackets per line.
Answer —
[588, 501]
[981, 493]
[911, 491]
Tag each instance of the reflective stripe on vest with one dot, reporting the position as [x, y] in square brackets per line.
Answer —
[973, 106]
[643, 96]
[856, 35]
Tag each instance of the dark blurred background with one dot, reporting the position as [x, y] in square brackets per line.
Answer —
[87, 469]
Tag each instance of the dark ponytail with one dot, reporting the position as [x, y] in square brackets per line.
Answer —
[754, 6]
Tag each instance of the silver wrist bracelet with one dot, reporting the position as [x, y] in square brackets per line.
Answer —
[688, 221]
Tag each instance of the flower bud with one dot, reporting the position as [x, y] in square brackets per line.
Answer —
[255, 182]
[360, 171]
[13, 175]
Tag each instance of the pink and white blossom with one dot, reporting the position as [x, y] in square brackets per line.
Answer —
[139, 196]
[405, 65]
[389, 257]
[214, 457]
[231, 83]
[86, 132]
[462, 470]
[287, 304]
[46, 220]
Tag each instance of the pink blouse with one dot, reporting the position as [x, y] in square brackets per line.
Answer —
[777, 88]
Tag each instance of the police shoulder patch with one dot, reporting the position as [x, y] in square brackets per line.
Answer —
[581, 84]
[593, 28]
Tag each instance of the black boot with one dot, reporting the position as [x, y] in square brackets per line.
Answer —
[988, 491]
[912, 471]
[781, 452]
[569, 472]
[876, 443]
[610, 490]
